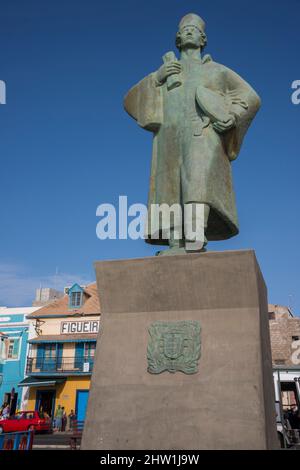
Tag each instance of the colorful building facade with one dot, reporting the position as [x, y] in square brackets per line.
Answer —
[61, 355]
[15, 332]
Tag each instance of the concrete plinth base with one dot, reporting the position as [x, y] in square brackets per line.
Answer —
[229, 402]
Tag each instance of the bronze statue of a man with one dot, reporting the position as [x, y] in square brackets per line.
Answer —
[199, 112]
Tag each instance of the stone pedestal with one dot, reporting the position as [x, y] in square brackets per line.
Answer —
[229, 402]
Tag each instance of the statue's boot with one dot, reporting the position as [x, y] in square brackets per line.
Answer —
[192, 246]
[195, 225]
[176, 245]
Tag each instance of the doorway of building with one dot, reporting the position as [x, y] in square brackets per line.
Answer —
[12, 400]
[81, 404]
[45, 401]
[290, 403]
[289, 395]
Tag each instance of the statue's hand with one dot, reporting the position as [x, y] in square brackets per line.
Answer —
[166, 70]
[221, 127]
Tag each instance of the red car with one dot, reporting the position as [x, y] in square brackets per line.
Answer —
[24, 421]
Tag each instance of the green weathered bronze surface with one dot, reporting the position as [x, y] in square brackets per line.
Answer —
[199, 112]
[174, 346]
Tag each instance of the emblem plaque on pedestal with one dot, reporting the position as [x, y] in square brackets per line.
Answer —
[174, 346]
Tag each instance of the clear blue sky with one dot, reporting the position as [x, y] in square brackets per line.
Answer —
[67, 145]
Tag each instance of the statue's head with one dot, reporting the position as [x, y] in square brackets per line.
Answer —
[191, 33]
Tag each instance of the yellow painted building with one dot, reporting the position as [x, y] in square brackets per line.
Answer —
[61, 355]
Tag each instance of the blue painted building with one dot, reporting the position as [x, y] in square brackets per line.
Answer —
[16, 328]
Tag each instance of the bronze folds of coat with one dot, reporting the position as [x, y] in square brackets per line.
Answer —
[191, 162]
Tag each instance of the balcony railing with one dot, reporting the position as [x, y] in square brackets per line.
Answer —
[36, 365]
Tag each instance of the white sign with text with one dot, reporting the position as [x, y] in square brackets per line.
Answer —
[77, 327]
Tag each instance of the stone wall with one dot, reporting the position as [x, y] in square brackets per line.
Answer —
[284, 330]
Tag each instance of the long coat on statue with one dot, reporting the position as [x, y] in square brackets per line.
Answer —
[191, 161]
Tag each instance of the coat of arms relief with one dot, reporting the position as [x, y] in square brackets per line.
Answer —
[174, 346]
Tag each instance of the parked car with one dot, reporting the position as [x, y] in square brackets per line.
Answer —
[26, 420]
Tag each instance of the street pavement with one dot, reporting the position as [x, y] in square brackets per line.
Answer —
[55, 441]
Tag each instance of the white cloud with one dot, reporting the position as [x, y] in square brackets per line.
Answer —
[18, 286]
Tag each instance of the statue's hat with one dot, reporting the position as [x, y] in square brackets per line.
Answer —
[192, 19]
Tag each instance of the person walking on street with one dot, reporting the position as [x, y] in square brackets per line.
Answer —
[72, 418]
[58, 418]
[6, 412]
[64, 419]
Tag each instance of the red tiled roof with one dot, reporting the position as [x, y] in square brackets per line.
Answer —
[90, 306]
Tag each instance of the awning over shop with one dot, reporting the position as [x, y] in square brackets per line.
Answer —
[35, 382]
[76, 338]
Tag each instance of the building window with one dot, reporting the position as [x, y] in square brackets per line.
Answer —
[295, 338]
[13, 348]
[75, 300]
[50, 350]
[279, 362]
[89, 350]
[75, 296]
